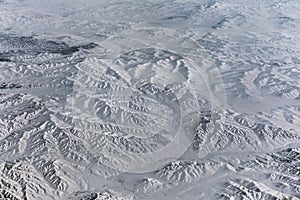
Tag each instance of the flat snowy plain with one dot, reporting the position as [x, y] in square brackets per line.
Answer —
[156, 100]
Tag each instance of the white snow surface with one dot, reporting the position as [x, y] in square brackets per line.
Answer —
[160, 99]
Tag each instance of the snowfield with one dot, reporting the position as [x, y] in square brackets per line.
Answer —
[173, 99]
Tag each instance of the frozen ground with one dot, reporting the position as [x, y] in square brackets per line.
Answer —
[149, 99]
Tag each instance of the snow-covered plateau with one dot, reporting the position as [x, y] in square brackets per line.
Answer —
[150, 99]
